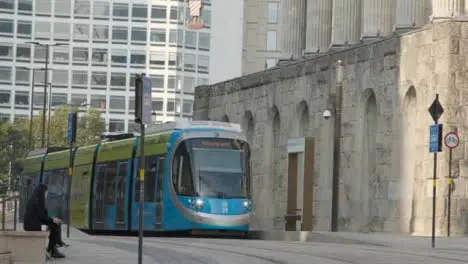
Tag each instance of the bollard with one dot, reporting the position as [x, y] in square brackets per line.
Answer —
[16, 214]
[3, 214]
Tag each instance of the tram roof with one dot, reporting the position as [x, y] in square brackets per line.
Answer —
[183, 123]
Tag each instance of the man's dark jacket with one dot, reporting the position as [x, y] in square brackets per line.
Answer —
[36, 213]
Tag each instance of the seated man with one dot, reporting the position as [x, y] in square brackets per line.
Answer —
[36, 215]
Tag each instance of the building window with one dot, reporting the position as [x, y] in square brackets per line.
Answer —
[62, 7]
[22, 76]
[6, 27]
[159, 13]
[206, 17]
[98, 101]
[60, 77]
[81, 32]
[39, 53]
[25, 6]
[271, 40]
[22, 99]
[4, 117]
[119, 34]
[39, 77]
[119, 58]
[118, 80]
[5, 97]
[190, 39]
[23, 53]
[7, 6]
[157, 81]
[158, 104]
[82, 9]
[173, 14]
[203, 63]
[158, 35]
[116, 125]
[273, 13]
[80, 78]
[204, 41]
[172, 37]
[38, 99]
[6, 51]
[189, 84]
[157, 59]
[42, 29]
[117, 103]
[100, 33]
[61, 55]
[80, 55]
[99, 78]
[99, 57]
[101, 10]
[138, 57]
[5, 74]
[139, 12]
[270, 63]
[24, 29]
[120, 11]
[171, 82]
[170, 106]
[62, 31]
[189, 62]
[139, 35]
[203, 81]
[79, 99]
[43, 7]
[59, 99]
[187, 107]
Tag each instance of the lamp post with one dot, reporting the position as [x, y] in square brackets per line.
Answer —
[48, 113]
[337, 104]
[31, 107]
[45, 81]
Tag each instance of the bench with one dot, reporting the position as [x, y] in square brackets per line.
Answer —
[25, 247]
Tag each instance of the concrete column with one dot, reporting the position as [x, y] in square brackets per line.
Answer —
[410, 14]
[346, 22]
[292, 28]
[446, 9]
[377, 18]
[318, 25]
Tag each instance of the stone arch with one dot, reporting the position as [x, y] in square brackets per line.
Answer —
[248, 126]
[370, 182]
[303, 121]
[274, 161]
[225, 118]
[407, 161]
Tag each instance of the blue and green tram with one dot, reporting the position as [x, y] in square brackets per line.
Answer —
[197, 177]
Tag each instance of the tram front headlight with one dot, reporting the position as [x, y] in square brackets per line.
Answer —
[247, 206]
[199, 204]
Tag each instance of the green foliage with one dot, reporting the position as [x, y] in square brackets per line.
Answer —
[15, 137]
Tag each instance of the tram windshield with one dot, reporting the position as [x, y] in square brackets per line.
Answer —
[213, 167]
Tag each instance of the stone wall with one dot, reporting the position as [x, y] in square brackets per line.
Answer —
[385, 166]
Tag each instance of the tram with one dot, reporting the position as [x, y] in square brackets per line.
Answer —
[197, 178]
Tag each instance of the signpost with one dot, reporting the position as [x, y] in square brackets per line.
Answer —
[451, 141]
[71, 137]
[143, 116]
[435, 145]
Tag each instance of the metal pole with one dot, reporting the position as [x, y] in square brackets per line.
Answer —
[450, 182]
[45, 96]
[142, 191]
[48, 114]
[336, 149]
[434, 193]
[70, 173]
[31, 112]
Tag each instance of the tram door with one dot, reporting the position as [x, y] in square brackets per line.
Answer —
[149, 208]
[159, 193]
[120, 190]
[98, 198]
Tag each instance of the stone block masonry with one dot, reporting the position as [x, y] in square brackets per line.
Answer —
[386, 166]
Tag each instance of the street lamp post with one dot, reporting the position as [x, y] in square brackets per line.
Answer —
[31, 103]
[48, 113]
[45, 82]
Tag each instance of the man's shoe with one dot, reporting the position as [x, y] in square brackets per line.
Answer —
[57, 254]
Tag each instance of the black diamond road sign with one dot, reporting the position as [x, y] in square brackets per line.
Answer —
[436, 110]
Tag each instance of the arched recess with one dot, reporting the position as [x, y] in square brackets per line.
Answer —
[370, 180]
[248, 126]
[407, 162]
[303, 119]
[275, 174]
[225, 118]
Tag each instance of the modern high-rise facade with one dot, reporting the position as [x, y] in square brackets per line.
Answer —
[106, 42]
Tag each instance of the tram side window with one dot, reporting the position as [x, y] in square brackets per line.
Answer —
[151, 164]
[182, 172]
[109, 182]
[160, 177]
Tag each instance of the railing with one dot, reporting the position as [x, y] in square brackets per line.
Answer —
[9, 209]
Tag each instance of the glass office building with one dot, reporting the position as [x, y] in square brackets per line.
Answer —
[107, 43]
